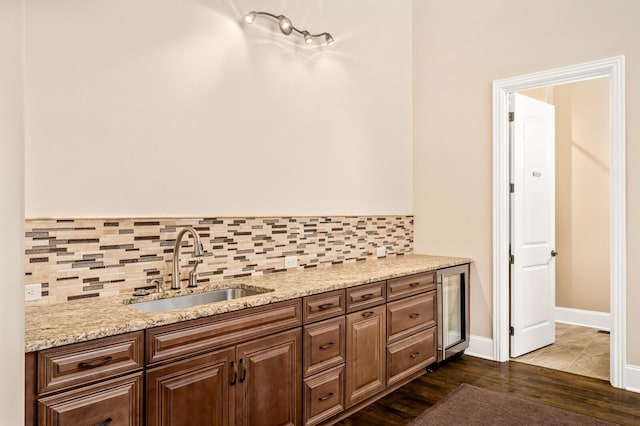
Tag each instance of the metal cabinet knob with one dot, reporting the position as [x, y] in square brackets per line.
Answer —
[554, 253]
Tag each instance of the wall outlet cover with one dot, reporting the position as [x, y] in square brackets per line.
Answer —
[290, 262]
[381, 251]
[32, 292]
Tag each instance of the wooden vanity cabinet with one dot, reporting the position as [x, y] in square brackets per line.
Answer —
[323, 356]
[253, 383]
[90, 383]
[111, 402]
[311, 360]
[174, 390]
[269, 390]
[365, 365]
[199, 379]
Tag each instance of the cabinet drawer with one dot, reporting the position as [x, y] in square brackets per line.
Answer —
[410, 355]
[398, 288]
[323, 345]
[323, 306]
[194, 337]
[406, 316]
[82, 363]
[366, 296]
[323, 395]
[114, 402]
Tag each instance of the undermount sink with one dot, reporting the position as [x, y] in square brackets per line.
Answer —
[196, 299]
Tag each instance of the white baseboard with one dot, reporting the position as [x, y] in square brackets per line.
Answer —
[632, 378]
[480, 347]
[593, 319]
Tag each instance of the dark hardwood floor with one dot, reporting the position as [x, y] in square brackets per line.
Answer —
[571, 392]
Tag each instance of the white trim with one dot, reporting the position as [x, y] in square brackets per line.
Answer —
[593, 319]
[632, 378]
[480, 347]
[613, 68]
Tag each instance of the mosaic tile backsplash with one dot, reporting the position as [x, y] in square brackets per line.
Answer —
[84, 258]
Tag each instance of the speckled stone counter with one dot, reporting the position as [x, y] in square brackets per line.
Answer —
[54, 325]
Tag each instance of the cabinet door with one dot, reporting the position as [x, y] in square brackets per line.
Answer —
[269, 388]
[365, 365]
[323, 345]
[195, 391]
[113, 402]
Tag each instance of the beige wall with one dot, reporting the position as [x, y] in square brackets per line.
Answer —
[460, 47]
[582, 195]
[11, 214]
[174, 108]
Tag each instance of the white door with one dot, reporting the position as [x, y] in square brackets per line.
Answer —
[532, 225]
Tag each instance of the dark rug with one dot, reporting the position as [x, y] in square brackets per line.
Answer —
[469, 405]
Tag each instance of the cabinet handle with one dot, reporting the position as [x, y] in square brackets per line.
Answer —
[414, 285]
[235, 373]
[325, 306]
[414, 316]
[367, 314]
[327, 346]
[414, 355]
[367, 296]
[244, 370]
[327, 396]
[97, 363]
[106, 422]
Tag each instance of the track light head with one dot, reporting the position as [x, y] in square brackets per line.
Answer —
[250, 17]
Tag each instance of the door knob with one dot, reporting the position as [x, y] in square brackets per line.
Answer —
[554, 253]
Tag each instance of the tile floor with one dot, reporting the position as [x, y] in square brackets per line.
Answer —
[579, 350]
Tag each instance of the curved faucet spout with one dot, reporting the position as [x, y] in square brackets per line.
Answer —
[199, 251]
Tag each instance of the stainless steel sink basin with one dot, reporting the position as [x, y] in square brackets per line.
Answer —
[196, 299]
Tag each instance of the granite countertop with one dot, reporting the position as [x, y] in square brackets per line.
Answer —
[53, 325]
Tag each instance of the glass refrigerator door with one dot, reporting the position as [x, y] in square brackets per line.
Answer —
[453, 308]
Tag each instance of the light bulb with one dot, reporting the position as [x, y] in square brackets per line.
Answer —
[307, 37]
[250, 17]
[329, 39]
[285, 24]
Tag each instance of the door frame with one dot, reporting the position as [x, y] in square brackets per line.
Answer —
[613, 68]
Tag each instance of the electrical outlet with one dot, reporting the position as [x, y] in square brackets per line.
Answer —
[290, 262]
[381, 251]
[32, 292]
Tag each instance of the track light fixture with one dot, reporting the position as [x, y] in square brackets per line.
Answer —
[286, 26]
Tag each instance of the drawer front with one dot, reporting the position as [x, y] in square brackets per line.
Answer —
[82, 363]
[366, 296]
[323, 306]
[114, 402]
[323, 345]
[398, 288]
[406, 316]
[408, 356]
[323, 396]
[194, 337]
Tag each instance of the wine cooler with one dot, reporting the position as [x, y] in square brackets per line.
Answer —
[453, 311]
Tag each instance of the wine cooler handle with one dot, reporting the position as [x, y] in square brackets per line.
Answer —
[442, 319]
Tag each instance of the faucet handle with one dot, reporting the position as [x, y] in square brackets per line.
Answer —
[193, 275]
[158, 283]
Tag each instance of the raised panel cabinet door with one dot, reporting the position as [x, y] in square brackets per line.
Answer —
[269, 391]
[116, 402]
[193, 392]
[365, 364]
[323, 345]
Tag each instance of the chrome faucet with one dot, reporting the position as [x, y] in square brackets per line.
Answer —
[199, 252]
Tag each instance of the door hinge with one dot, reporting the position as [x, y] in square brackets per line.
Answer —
[511, 331]
[511, 116]
[512, 259]
[512, 188]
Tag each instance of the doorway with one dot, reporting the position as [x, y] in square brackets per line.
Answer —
[579, 317]
[613, 68]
